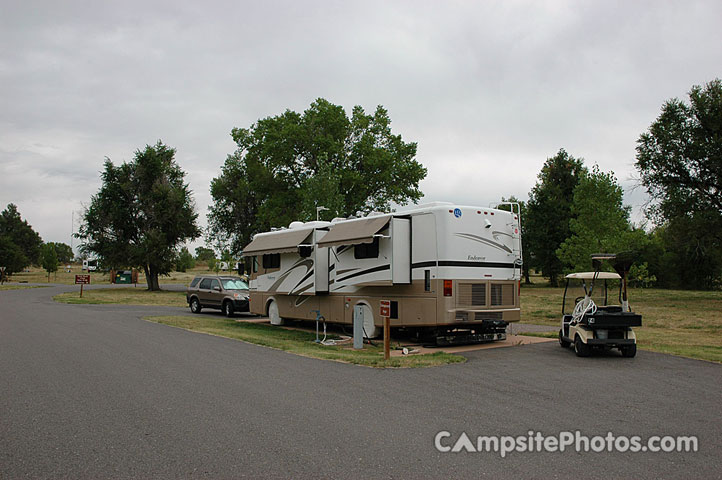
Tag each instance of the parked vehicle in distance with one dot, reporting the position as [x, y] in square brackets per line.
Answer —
[90, 265]
[229, 294]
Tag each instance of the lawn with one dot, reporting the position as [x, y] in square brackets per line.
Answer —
[38, 275]
[124, 296]
[301, 342]
[680, 322]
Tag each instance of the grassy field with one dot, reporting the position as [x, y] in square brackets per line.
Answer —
[680, 322]
[301, 342]
[124, 296]
[38, 275]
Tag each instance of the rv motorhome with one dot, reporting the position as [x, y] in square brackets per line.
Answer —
[90, 265]
[451, 273]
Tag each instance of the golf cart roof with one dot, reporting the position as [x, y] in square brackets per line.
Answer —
[590, 275]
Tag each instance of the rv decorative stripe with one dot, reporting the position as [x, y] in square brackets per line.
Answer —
[364, 272]
[461, 263]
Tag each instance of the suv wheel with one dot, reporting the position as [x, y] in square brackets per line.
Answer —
[195, 305]
[227, 308]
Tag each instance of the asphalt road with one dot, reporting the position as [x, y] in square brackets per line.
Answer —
[95, 392]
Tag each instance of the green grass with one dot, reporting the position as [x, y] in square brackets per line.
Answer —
[301, 342]
[123, 296]
[678, 322]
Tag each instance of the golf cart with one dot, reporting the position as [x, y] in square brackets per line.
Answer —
[593, 323]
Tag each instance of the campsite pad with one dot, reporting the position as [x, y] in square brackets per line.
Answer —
[511, 340]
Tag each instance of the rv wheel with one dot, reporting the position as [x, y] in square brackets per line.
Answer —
[273, 314]
[371, 330]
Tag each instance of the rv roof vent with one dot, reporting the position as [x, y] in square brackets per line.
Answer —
[295, 225]
[337, 219]
[375, 214]
[317, 224]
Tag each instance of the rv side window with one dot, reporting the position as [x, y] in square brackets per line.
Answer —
[366, 250]
[305, 251]
[272, 260]
[255, 264]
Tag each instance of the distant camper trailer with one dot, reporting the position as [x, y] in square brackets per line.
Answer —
[90, 265]
[450, 272]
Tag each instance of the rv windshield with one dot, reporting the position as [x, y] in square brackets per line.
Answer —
[234, 284]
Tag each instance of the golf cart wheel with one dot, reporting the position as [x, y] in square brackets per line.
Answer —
[629, 351]
[228, 308]
[581, 348]
[563, 342]
[195, 305]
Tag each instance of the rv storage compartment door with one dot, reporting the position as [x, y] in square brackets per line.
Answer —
[400, 251]
[320, 269]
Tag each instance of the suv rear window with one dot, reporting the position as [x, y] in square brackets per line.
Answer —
[195, 281]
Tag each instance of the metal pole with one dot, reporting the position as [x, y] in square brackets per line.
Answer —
[387, 338]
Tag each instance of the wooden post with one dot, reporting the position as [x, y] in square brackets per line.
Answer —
[387, 338]
[81, 290]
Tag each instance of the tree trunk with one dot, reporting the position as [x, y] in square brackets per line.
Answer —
[527, 281]
[151, 277]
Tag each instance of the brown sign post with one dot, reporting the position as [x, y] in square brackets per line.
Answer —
[385, 312]
[82, 280]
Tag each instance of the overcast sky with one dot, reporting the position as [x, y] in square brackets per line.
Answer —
[488, 90]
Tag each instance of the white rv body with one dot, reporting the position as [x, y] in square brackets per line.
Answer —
[407, 257]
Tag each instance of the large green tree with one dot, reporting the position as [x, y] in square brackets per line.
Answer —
[549, 211]
[63, 250]
[142, 214]
[20, 233]
[599, 223]
[679, 159]
[287, 165]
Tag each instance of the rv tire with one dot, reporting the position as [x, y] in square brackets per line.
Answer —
[273, 315]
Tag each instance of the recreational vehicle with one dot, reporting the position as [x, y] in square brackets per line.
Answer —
[450, 273]
[90, 265]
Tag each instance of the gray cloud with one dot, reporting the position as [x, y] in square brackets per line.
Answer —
[488, 90]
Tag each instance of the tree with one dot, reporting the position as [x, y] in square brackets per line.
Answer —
[21, 233]
[599, 223]
[11, 256]
[204, 254]
[549, 212]
[141, 214]
[287, 165]
[679, 160]
[64, 252]
[49, 258]
[185, 260]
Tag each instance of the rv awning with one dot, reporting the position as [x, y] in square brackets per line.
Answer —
[355, 232]
[278, 242]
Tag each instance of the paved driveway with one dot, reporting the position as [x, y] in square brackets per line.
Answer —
[95, 392]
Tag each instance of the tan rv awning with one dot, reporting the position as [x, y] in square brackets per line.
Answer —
[279, 242]
[355, 232]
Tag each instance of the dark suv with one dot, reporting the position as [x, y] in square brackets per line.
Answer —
[229, 294]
